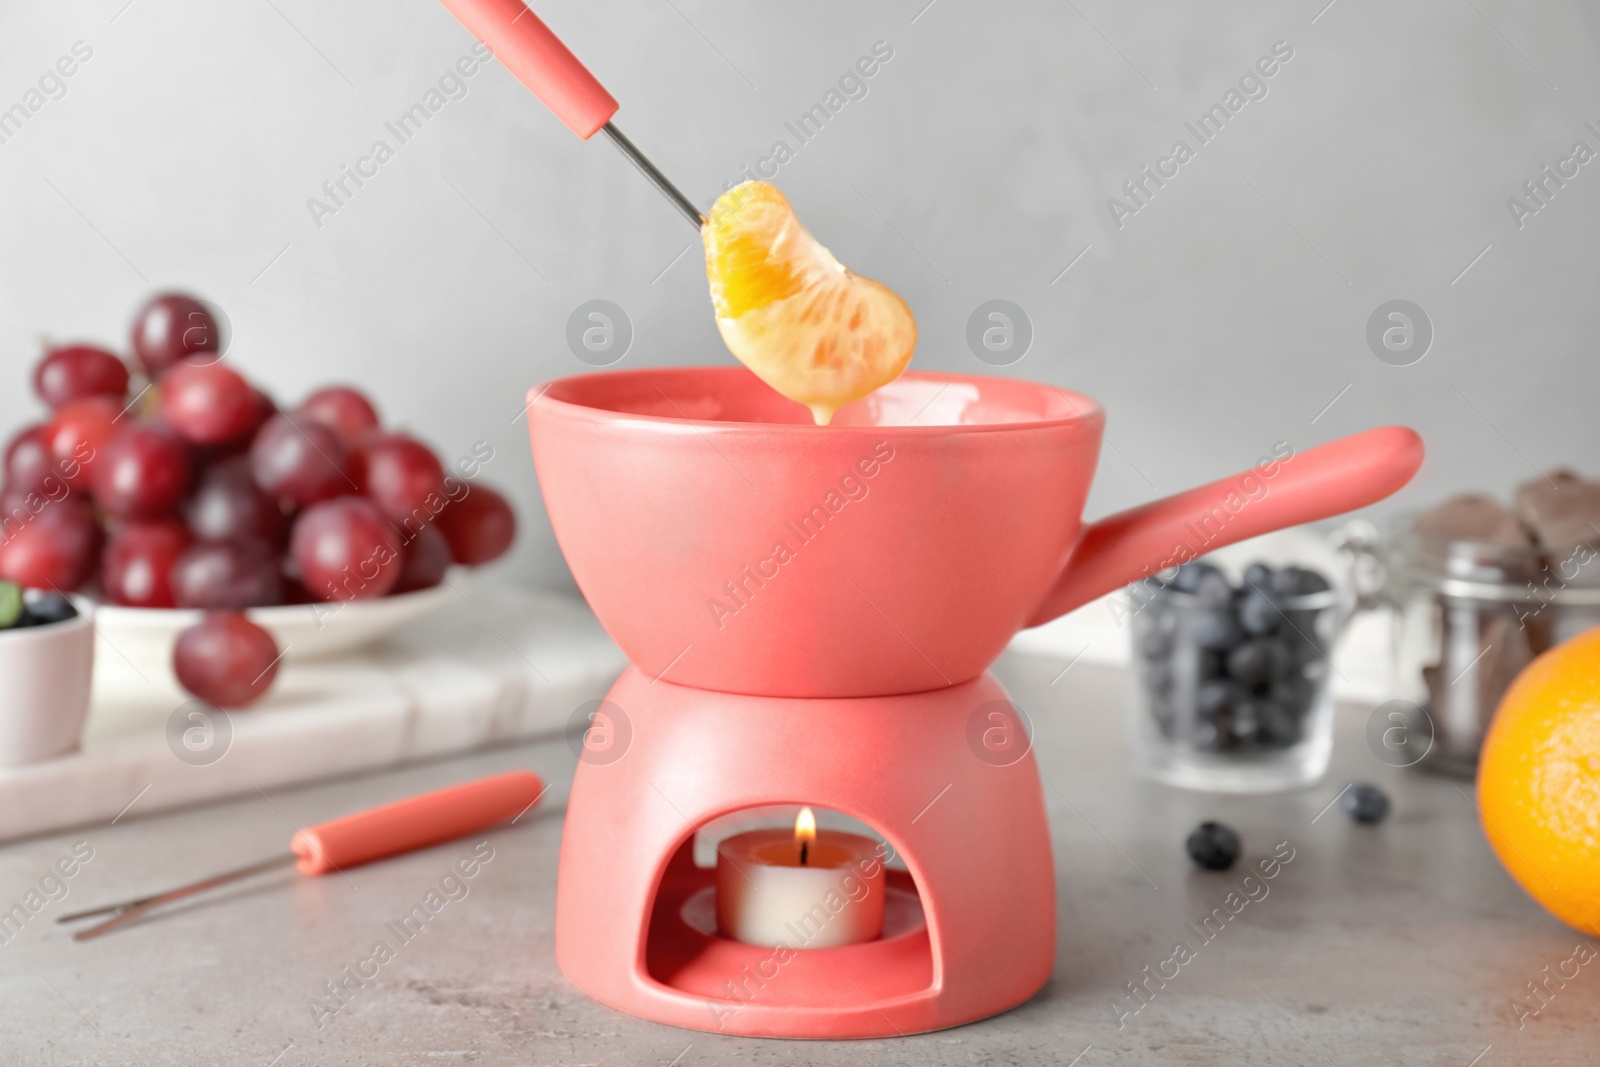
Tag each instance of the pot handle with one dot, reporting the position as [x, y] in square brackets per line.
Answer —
[1328, 480]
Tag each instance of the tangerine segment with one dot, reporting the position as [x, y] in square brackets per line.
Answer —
[807, 326]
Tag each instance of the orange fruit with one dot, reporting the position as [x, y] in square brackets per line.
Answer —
[793, 314]
[1539, 781]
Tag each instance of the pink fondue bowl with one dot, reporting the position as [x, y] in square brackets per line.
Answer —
[727, 543]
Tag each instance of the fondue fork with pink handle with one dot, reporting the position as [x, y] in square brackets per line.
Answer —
[537, 58]
[377, 833]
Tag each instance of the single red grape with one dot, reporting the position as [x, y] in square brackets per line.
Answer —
[295, 592]
[425, 558]
[141, 473]
[226, 575]
[225, 659]
[136, 565]
[173, 327]
[303, 461]
[76, 371]
[54, 549]
[345, 411]
[400, 474]
[77, 434]
[266, 407]
[227, 505]
[209, 403]
[29, 465]
[479, 527]
[18, 507]
[262, 409]
[346, 550]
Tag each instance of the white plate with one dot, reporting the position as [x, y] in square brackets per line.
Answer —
[144, 636]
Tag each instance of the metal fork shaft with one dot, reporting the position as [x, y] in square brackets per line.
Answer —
[659, 180]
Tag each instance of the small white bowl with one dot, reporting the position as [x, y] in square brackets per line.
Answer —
[44, 687]
[145, 636]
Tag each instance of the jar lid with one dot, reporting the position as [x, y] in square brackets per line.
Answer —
[1492, 569]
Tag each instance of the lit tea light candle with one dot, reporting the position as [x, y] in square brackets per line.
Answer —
[805, 889]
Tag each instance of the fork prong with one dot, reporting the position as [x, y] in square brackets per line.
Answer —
[129, 909]
[89, 913]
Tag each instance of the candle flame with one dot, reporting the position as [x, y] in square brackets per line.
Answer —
[805, 826]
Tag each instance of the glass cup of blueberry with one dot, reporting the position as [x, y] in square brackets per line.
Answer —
[1232, 677]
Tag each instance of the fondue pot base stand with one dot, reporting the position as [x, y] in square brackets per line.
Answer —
[969, 925]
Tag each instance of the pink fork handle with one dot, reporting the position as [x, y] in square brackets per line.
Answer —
[415, 823]
[517, 38]
[1340, 476]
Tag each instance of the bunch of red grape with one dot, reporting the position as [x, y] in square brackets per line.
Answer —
[183, 485]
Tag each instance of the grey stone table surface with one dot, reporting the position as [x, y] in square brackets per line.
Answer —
[1401, 944]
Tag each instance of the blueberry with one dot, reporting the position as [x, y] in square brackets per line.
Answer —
[47, 607]
[1313, 582]
[1215, 696]
[1302, 620]
[1259, 660]
[1217, 630]
[1364, 803]
[1248, 663]
[1258, 615]
[1213, 846]
[1187, 580]
[1308, 654]
[1210, 736]
[1245, 722]
[1280, 726]
[1295, 692]
[1298, 581]
[11, 606]
[1282, 656]
[1258, 576]
[1214, 591]
[1300, 637]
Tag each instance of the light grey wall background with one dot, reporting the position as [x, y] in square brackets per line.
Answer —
[1228, 313]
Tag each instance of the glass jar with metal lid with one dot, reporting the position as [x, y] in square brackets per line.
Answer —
[1469, 616]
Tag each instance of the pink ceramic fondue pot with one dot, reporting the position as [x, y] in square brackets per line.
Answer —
[809, 612]
[727, 543]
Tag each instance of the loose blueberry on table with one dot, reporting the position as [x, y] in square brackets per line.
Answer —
[1238, 664]
[1213, 846]
[1366, 804]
